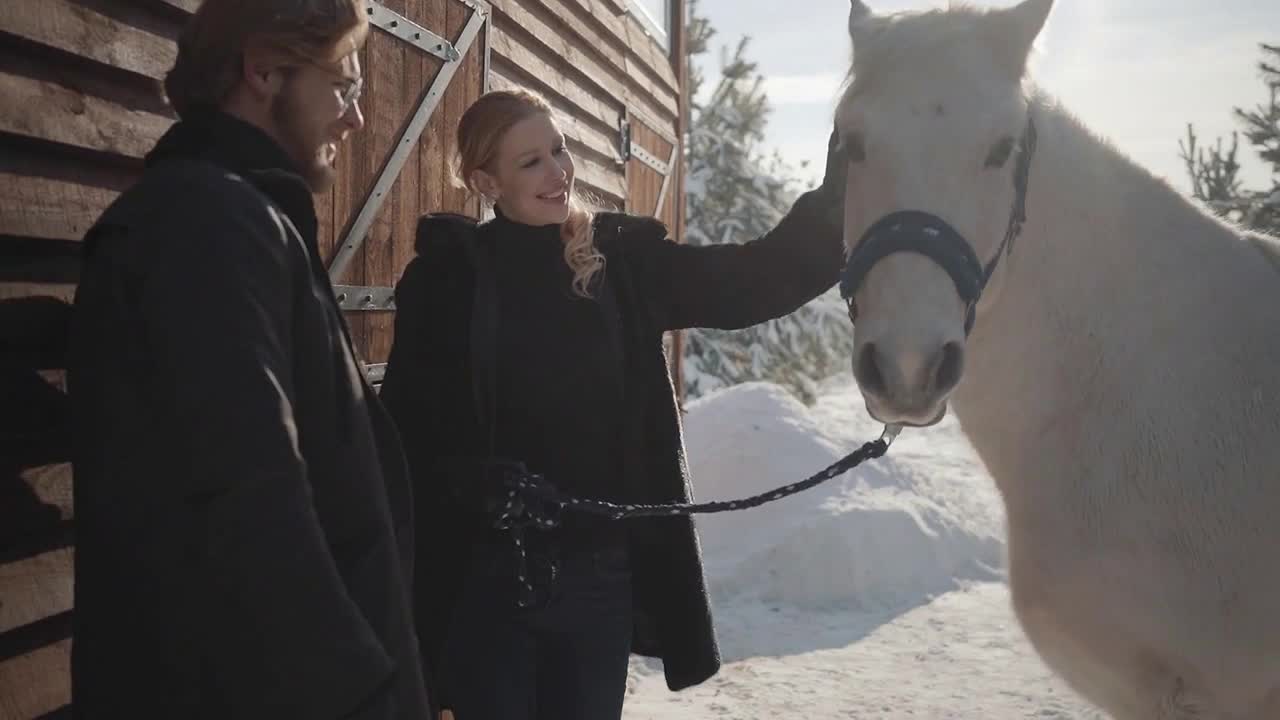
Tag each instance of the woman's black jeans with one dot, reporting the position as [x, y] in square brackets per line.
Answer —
[564, 658]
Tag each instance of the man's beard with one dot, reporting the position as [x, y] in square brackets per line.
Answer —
[292, 129]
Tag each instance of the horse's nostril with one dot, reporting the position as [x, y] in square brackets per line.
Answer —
[950, 367]
[866, 370]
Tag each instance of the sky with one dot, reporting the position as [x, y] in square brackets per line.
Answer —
[1135, 71]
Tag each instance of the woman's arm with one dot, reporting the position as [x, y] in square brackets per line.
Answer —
[734, 286]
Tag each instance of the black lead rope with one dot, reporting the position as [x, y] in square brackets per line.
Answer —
[534, 502]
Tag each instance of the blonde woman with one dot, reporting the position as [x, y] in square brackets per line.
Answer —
[534, 341]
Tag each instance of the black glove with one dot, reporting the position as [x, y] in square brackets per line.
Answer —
[484, 485]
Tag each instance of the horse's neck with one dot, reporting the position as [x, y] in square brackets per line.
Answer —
[1111, 280]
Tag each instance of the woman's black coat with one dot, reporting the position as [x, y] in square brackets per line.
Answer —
[657, 285]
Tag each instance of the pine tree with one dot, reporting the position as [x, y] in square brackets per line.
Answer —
[1213, 171]
[736, 193]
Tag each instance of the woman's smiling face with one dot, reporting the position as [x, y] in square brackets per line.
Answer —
[531, 176]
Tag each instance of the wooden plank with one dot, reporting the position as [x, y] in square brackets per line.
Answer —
[679, 46]
[52, 112]
[556, 37]
[550, 78]
[21, 290]
[614, 20]
[474, 83]
[649, 52]
[600, 178]
[77, 29]
[36, 588]
[44, 208]
[36, 683]
[435, 147]
[189, 6]
[453, 198]
[606, 18]
[576, 21]
[416, 74]
[52, 483]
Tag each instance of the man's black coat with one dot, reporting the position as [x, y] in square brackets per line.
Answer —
[243, 515]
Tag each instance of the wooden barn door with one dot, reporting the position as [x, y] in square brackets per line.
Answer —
[653, 166]
[80, 105]
[654, 187]
[422, 70]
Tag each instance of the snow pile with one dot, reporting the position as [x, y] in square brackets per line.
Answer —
[888, 533]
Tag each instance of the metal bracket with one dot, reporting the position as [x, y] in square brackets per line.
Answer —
[359, 297]
[649, 159]
[402, 27]
[666, 181]
[375, 372]
[408, 141]
[624, 141]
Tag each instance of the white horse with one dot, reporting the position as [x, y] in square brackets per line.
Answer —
[1121, 380]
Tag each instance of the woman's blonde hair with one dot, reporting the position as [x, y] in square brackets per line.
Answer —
[480, 132]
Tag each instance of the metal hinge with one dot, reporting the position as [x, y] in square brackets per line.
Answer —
[407, 30]
[649, 159]
[359, 297]
[375, 372]
[624, 141]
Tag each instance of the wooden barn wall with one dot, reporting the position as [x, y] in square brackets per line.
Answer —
[80, 105]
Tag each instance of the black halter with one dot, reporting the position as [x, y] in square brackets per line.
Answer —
[927, 234]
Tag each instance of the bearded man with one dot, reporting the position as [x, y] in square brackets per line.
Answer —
[243, 520]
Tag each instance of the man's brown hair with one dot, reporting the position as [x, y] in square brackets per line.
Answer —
[212, 45]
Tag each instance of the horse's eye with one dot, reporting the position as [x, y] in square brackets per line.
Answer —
[1000, 153]
[854, 149]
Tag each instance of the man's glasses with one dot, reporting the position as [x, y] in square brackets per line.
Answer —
[351, 95]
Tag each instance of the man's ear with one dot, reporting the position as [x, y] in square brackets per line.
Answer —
[487, 184]
[263, 72]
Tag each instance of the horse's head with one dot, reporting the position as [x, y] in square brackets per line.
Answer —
[936, 127]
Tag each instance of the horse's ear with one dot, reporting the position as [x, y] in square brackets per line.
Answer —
[1017, 29]
[858, 13]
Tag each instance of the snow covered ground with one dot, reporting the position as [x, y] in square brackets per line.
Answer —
[876, 595]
